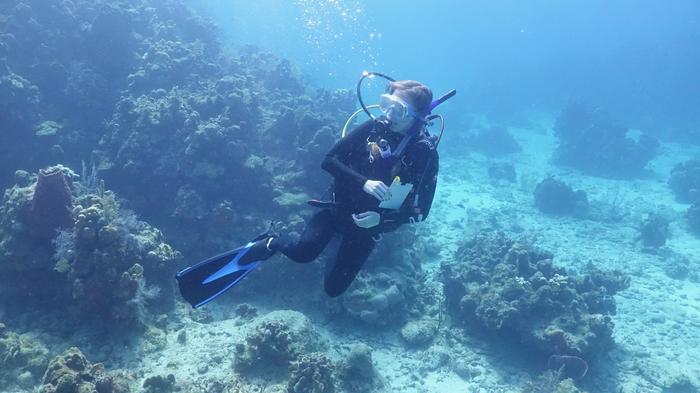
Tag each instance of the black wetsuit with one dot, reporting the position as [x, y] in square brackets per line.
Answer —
[349, 163]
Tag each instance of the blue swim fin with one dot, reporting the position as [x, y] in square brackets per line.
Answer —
[203, 282]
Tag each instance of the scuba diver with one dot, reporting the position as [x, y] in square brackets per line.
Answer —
[384, 175]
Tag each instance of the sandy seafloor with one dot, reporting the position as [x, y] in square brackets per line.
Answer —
[657, 326]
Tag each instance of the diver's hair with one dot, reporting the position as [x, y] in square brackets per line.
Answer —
[415, 93]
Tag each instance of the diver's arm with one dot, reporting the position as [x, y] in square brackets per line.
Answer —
[417, 205]
[337, 158]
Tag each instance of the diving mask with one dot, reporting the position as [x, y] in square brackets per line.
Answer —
[395, 109]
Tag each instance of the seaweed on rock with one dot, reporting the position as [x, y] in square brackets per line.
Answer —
[511, 290]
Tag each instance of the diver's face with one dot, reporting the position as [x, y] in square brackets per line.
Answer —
[403, 125]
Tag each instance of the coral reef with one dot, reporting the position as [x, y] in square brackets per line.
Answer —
[22, 359]
[176, 115]
[654, 230]
[494, 141]
[555, 197]
[590, 142]
[685, 181]
[311, 373]
[101, 259]
[71, 372]
[510, 290]
[111, 252]
[279, 338]
[357, 372]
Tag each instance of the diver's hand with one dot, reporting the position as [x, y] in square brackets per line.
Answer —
[367, 219]
[377, 189]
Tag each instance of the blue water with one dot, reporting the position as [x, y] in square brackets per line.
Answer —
[638, 59]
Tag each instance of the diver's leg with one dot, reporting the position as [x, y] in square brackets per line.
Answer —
[317, 233]
[352, 254]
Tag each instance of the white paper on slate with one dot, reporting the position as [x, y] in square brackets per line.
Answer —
[399, 192]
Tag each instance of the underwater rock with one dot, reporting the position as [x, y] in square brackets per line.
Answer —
[685, 181]
[20, 356]
[357, 372]
[509, 290]
[278, 339]
[558, 198]
[494, 141]
[375, 299]
[419, 333]
[654, 230]
[52, 202]
[160, 384]
[311, 373]
[593, 144]
[72, 372]
[502, 171]
[693, 217]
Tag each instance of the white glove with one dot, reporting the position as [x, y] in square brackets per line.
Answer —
[377, 189]
[366, 219]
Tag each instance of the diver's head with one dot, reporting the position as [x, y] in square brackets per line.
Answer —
[405, 104]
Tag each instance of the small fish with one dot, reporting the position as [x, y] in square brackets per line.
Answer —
[570, 366]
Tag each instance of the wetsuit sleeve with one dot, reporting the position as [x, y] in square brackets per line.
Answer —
[337, 159]
[417, 205]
